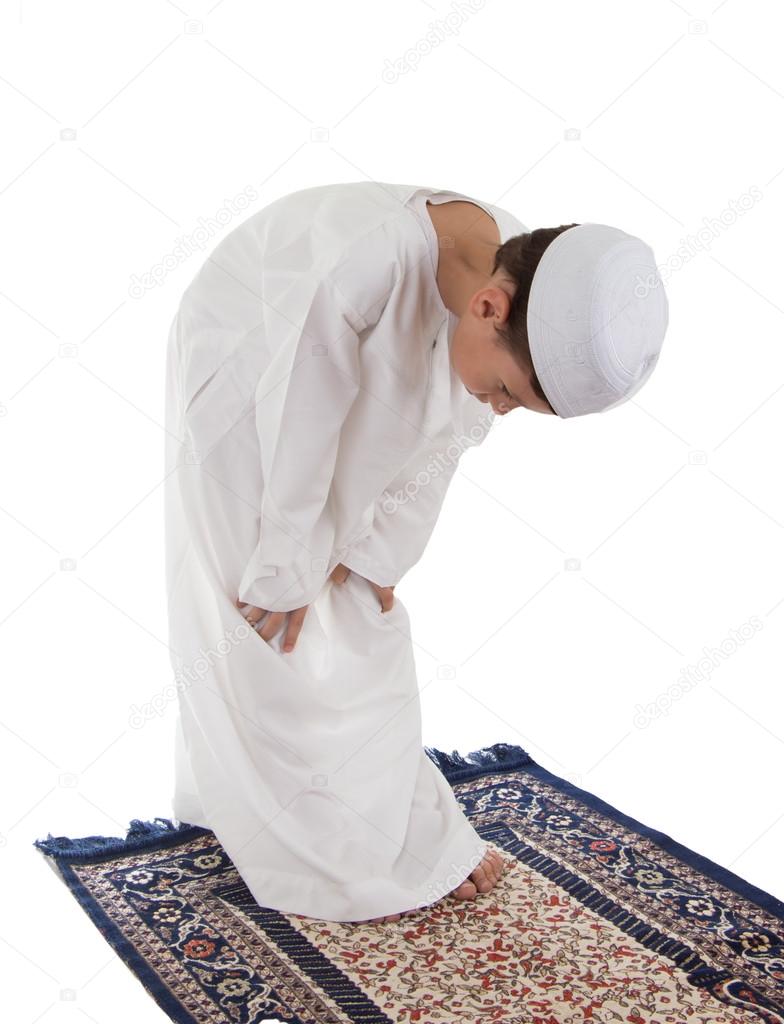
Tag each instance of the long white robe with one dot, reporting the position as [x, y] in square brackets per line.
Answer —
[313, 418]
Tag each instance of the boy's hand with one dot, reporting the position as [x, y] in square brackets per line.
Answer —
[274, 621]
[385, 594]
[296, 616]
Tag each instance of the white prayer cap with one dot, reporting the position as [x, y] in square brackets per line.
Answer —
[597, 314]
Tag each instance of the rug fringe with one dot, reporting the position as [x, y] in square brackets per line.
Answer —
[140, 835]
[498, 757]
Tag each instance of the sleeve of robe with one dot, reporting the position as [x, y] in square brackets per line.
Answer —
[302, 399]
[404, 516]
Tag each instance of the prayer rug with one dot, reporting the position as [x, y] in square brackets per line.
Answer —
[597, 917]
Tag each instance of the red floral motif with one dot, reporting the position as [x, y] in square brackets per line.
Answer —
[199, 949]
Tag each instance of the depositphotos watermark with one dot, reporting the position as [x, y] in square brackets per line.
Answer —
[156, 707]
[713, 657]
[438, 464]
[436, 34]
[191, 243]
[693, 244]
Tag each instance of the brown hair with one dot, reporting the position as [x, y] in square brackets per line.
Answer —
[518, 258]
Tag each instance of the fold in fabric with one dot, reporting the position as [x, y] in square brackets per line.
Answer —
[300, 404]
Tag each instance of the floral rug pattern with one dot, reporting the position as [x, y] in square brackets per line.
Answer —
[597, 918]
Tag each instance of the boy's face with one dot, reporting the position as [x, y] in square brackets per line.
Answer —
[488, 371]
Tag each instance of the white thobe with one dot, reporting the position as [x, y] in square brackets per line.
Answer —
[313, 417]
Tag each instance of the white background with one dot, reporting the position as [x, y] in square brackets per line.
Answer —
[128, 128]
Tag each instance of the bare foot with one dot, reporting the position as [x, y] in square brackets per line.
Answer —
[482, 879]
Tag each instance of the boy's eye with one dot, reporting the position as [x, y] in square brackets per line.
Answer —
[506, 390]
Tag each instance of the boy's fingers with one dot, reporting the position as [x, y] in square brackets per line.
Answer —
[296, 618]
[340, 573]
[385, 596]
[255, 615]
[272, 625]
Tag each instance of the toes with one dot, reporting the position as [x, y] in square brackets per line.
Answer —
[481, 880]
[496, 865]
[466, 890]
[487, 873]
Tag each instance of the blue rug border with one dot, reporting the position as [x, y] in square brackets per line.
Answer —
[506, 757]
[330, 978]
[136, 963]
